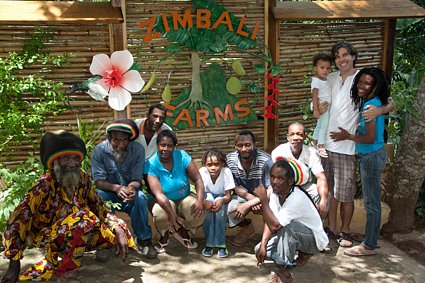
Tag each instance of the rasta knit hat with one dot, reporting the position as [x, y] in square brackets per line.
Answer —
[301, 171]
[59, 143]
[124, 125]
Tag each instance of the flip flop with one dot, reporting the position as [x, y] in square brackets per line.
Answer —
[359, 250]
[187, 243]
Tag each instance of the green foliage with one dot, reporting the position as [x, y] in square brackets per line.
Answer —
[89, 133]
[26, 100]
[408, 70]
[14, 185]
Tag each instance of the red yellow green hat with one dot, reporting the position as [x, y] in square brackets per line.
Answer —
[124, 125]
[55, 144]
[301, 171]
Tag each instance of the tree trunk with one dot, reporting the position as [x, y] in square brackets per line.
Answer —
[407, 173]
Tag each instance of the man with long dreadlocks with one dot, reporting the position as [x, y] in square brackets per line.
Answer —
[63, 213]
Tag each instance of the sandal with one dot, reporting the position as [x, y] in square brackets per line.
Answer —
[302, 259]
[162, 243]
[345, 240]
[186, 242]
[359, 250]
[329, 233]
[276, 279]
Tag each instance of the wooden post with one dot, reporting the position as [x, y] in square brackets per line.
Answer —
[118, 41]
[389, 45]
[272, 38]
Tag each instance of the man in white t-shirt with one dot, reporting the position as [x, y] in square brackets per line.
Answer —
[307, 155]
[150, 127]
[292, 222]
[340, 166]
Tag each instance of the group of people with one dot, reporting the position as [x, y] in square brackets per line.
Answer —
[138, 169]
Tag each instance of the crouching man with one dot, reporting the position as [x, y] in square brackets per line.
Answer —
[63, 213]
[292, 223]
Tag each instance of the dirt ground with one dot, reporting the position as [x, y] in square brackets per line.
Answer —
[391, 265]
[412, 242]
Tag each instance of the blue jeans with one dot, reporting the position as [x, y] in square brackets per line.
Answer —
[282, 247]
[371, 167]
[137, 210]
[215, 223]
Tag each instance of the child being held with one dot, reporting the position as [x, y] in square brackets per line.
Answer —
[321, 92]
[218, 182]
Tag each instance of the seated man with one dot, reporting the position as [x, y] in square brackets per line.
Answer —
[292, 223]
[117, 169]
[150, 127]
[306, 155]
[63, 213]
[250, 168]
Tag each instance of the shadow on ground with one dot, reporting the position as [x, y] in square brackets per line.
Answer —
[180, 265]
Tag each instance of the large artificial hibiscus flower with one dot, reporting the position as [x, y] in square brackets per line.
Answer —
[117, 79]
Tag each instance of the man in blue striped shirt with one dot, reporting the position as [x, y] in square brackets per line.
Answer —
[250, 168]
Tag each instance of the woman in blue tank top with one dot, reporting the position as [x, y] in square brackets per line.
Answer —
[369, 88]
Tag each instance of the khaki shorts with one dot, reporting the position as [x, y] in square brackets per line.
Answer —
[340, 171]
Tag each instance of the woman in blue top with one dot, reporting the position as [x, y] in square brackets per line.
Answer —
[175, 209]
[369, 88]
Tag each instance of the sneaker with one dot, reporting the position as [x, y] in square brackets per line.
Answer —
[103, 255]
[244, 235]
[222, 252]
[207, 252]
[147, 248]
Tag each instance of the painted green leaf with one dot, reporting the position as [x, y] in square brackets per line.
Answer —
[214, 92]
[260, 68]
[172, 48]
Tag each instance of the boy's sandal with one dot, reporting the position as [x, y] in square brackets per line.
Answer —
[344, 240]
[359, 250]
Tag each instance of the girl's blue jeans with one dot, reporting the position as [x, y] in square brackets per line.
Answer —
[371, 167]
[215, 223]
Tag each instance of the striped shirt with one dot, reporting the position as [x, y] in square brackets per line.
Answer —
[259, 173]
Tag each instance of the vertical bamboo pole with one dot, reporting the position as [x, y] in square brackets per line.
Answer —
[118, 41]
[388, 45]
[272, 38]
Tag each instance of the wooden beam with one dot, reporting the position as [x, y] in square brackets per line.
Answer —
[347, 10]
[58, 12]
[118, 41]
[389, 46]
[271, 126]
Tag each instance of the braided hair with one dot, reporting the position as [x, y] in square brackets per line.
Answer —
[381, 89]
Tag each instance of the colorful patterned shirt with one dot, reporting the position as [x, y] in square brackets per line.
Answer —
[44, 206]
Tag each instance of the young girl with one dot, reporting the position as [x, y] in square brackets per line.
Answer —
[369, 88]
[321, 92]
[218, 182]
